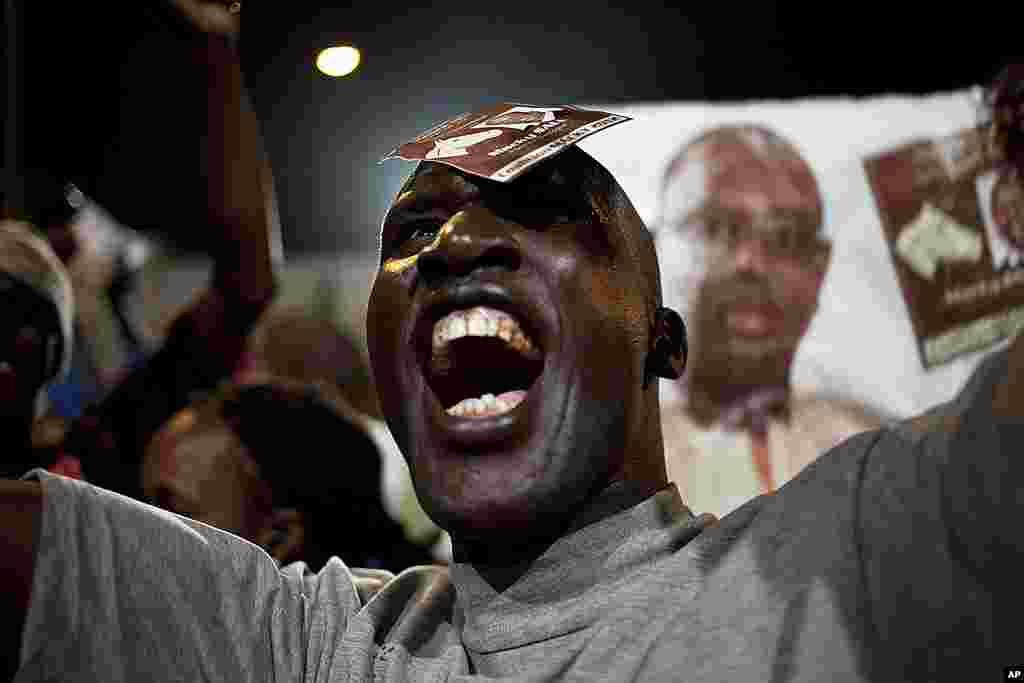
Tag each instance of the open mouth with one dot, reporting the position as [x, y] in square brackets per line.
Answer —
[753, 320]
[482, 362]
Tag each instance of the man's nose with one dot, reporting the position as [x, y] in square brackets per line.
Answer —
[750, 255]
[473, 239]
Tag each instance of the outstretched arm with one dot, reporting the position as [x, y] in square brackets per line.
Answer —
[99, 587]
[984, 480]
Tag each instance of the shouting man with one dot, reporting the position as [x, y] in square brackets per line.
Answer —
[515, 332]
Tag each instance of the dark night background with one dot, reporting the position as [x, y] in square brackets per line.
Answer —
[110, 99]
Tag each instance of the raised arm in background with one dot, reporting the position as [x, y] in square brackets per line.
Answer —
[206, 342]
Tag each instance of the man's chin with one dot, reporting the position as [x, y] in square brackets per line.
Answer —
[501, 535]
[481, 507]
[746, 357]
[512, 512]
[735, 364]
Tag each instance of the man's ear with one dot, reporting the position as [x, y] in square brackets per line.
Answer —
[284, 535]
[667, 356]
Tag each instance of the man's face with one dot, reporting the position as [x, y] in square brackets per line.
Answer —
[516, 291]
[1008, 209]
[28, 325]
[205, 474]
[763, 267]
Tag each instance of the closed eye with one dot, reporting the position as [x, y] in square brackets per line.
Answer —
[420, 230]
[412, 235]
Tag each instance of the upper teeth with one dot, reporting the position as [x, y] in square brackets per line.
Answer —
[481, 321]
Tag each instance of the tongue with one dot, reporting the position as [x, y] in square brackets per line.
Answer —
[488, 404]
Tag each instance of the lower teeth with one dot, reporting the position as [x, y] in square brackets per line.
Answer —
[487, 405]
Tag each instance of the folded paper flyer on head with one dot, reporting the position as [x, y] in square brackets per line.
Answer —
[502, 141]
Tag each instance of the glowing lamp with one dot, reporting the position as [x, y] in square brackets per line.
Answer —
[338, 61]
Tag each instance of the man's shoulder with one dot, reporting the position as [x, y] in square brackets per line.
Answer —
[776, 580]
[837, 412]
[868, 492]
[779, 577]
[816, 509]
[939, 423]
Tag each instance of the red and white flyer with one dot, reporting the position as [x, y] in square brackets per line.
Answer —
[502, 141]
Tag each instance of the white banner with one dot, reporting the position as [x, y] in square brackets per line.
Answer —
[905, 209]
[860, 343]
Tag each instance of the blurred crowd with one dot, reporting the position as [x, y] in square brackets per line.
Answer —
[252, 416]
[237, 407]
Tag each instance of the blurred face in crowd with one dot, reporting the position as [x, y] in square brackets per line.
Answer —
[293, 344]
[33, 283]
[206, 473]
[31, 339]
[507, 328]
[753, 206]
[28, 323]
[1008, 208]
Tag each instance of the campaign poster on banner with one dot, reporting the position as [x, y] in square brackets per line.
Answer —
[955, 232]
[772, 247]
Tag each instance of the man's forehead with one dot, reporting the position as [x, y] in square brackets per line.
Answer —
[434, 177]
[759, 189]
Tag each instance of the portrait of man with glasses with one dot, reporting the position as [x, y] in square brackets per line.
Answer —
[745, 252]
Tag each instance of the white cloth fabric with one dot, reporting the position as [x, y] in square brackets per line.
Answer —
[714, 467]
